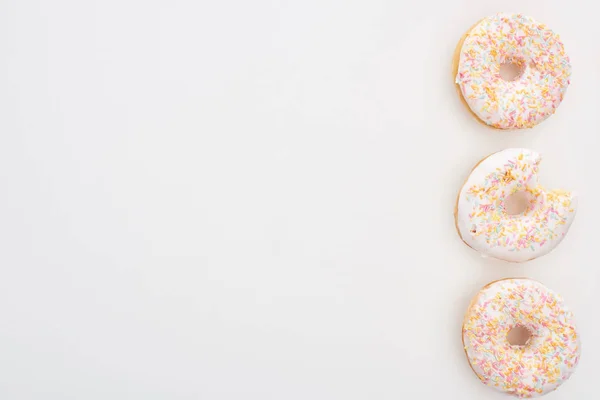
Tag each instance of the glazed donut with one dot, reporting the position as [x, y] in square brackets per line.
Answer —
[537, 52]
[484, 223]
[545, 361]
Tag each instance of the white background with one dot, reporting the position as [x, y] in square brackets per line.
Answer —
[253, 199]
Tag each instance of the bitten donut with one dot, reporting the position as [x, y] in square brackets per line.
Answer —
[484, 221]
[548, 357]
[533, 49]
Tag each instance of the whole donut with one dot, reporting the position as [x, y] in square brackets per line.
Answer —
[547, 359]
[483, 222]
[540, 56]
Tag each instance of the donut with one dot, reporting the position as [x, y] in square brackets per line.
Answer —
[483, 217]
[533, 49]
[530, 368]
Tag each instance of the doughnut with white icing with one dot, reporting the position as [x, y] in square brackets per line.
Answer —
[533, 48]
[544, 362]
[482, 219]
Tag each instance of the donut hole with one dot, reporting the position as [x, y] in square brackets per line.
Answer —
[518, 336]
[517, 203]
[511, 70]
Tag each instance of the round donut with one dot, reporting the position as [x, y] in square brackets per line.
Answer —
[537, 52]
[544, 362]
[484, 223]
